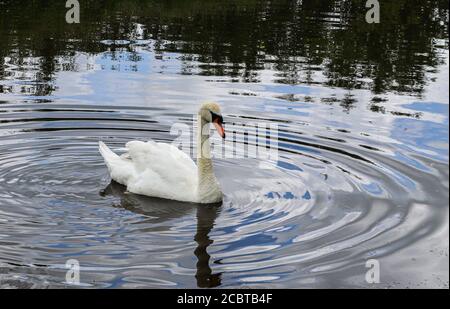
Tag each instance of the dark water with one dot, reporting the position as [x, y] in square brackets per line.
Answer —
[362, 117]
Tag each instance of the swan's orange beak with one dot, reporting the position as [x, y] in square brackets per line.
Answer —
[219, 127]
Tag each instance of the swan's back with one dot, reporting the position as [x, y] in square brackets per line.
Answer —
[154, 169]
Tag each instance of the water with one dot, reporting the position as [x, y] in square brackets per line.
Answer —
[362, 118]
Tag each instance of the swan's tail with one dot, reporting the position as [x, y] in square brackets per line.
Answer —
[107, 153]
[119, 169]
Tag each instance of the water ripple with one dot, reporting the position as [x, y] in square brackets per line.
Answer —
[321, 207]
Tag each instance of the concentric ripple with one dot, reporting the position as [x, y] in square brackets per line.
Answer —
[332, 200]
[353, 164]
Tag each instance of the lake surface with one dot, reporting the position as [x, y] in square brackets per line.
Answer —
[359, 113]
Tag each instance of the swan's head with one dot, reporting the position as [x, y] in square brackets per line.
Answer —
[210, 112]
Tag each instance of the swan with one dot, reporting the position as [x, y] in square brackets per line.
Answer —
[162, 170]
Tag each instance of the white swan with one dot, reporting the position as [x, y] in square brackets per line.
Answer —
[162, 170]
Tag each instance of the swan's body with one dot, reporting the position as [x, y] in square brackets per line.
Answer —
[162, 170]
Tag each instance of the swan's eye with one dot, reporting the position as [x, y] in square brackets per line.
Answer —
[217, 118]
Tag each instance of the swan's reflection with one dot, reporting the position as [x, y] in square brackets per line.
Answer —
[206, 217]
[161, 210]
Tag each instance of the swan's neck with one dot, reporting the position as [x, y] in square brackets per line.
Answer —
[208, 188]
[204, 162]
[203, 144]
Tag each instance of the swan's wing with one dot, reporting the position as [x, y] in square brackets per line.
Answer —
[164, 159]
[154, 169]
[120, 168]
[163, 171]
